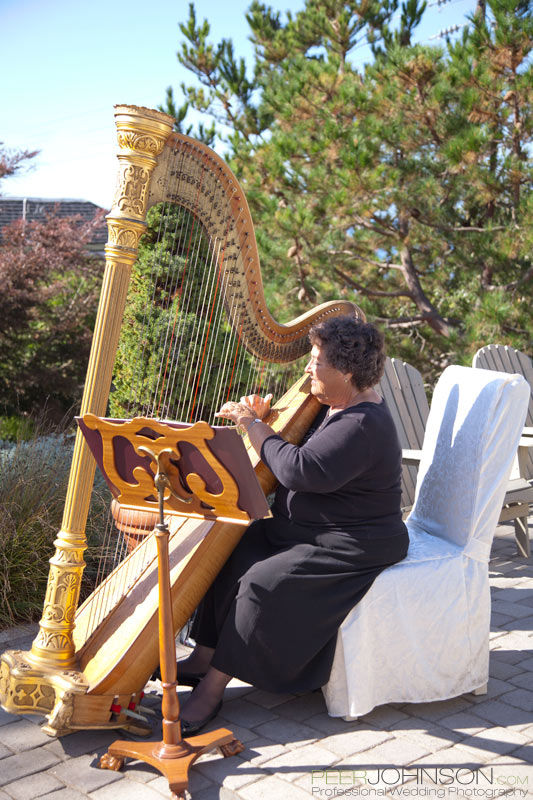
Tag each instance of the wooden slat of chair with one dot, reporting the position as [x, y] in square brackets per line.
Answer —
[403, 390]
[391, 396]
[519, 493]
[415, 397]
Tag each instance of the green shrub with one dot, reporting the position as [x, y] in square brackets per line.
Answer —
[13, 428]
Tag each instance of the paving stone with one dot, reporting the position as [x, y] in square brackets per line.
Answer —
[246, 714]
[272, 788]
[288, 732]
[65, 794]
[81, 743]
[384, 716]
[513, 595]
[139, 771]
[10, 638]
[23, 764]
[519, 624]
[243, 734]
[357, 741]
[332, 725]
[502, 670]
[231, 772]
[304, 707]
[23, 736]
[7, 719]
[296, 764]
[500, 713]
[433, 737]
[394, 752]
[497, 621]
[83, 773]
[159, 785]
[34, 786]
[127, 790]
[520, 698]
[508, 652]
[268, 699]
[450, 757]
[5, 751]
[526, 664]
[495, 688]
[510, 772]
[518, 642]
[464, 722]
[261, 750]
[439, 709]
[4, 796]
[495, 741]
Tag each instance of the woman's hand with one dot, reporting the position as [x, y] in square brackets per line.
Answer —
[238, 413]
[251, 407]
[259, 405]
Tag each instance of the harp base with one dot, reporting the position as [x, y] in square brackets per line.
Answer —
[30, 688]
[174, 769]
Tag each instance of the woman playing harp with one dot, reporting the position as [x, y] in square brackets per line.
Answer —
[272, 615]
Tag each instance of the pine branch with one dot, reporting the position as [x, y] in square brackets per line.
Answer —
[366, 290]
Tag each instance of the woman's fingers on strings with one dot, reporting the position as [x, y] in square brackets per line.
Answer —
[259, 405]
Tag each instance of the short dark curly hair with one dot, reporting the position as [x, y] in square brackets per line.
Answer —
[351, 345]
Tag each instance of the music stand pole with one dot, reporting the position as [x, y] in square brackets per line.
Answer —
[173, 755]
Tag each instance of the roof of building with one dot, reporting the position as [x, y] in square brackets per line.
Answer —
[38, 208]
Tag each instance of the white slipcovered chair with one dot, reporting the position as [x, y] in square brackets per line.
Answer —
[421, 633]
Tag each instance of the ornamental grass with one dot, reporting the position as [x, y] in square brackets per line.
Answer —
[33, 482]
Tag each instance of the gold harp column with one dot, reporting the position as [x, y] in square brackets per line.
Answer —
[142, 134]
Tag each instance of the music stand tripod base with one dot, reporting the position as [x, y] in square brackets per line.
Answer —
[174, 769]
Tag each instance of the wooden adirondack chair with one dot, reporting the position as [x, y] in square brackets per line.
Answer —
[403, 390]
[520, 490]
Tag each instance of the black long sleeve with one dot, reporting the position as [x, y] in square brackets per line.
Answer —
[345, 475]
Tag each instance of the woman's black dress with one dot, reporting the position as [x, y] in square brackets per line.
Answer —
[273, 612]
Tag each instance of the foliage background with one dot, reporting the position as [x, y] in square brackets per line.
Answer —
[404, 184]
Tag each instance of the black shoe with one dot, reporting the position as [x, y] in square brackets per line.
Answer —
[190, 728]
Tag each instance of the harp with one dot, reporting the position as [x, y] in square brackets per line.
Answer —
[87, 666]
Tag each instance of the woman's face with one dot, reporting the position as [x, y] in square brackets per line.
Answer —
[327, 382]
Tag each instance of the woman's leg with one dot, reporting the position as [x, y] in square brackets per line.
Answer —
[197, 663]
[213, 609]
[204, 700]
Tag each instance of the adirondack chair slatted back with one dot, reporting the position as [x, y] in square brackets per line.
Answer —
[403, 390]
[503, 358]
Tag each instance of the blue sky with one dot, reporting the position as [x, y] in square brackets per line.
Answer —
[64, 65]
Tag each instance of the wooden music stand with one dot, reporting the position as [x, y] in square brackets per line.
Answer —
[173, 755]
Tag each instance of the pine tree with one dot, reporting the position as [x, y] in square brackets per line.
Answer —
[404, 183]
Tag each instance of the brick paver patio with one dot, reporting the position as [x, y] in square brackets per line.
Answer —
[466, 747]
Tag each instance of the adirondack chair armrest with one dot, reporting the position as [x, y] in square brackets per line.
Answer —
[411, 457]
